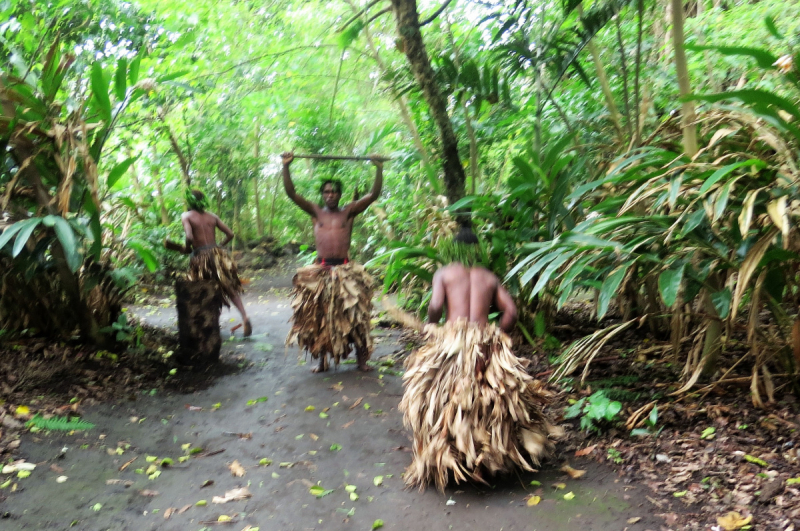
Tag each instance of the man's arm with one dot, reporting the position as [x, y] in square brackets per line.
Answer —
[225, 230]
[505, 304]
[357, 207]
[436, 306]
[288, 185]
[187, 228]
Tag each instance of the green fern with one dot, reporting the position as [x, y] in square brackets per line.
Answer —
[59, 423]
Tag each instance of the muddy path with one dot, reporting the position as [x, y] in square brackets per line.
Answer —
[331, 430]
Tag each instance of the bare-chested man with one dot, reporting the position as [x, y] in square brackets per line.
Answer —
[329, 319]
[209, 261]
[471, 406]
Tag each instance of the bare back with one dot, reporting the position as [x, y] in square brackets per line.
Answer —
[470, 293]
[200, 228]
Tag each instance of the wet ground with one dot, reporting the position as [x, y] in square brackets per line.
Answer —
[331, 430]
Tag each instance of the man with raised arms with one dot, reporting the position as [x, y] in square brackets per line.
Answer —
[332, 299]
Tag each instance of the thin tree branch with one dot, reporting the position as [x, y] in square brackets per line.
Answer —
[435, 14]
[355, 17]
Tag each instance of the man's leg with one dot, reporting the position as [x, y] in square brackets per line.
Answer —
[237, 301]
[362, 355]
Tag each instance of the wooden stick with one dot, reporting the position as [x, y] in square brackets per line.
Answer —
[339, 157]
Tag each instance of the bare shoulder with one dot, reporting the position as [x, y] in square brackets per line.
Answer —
[486, 275]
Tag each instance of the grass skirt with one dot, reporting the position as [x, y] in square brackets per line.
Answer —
[468, 421]
[215, 263]
[332, 310]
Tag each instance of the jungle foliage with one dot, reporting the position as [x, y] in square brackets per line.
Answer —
[626, 151]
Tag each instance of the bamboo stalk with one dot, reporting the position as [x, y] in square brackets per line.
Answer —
[340, 157]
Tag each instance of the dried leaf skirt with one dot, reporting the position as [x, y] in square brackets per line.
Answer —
[215, 263]
[468, 422]
[332, 311]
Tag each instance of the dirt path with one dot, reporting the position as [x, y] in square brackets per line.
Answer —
[353, 435]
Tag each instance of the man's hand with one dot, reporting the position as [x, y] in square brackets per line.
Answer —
[287, 158]
[376, 159]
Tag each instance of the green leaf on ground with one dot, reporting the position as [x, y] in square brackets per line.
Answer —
[756, 461]
[336, 447]
[377, 523]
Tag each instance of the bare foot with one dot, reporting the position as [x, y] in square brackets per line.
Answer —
[248, 328]
[319, 368]
[362, 362]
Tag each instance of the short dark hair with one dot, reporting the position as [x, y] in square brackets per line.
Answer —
[336, 183]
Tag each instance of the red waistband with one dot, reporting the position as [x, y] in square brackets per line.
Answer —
[332, 261]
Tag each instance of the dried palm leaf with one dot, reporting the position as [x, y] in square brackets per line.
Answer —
[332, 311]
[471, 407]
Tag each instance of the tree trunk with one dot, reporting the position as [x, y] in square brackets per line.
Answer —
[684, 87]
[199, 304]
[407, 18]
[256, 196]
[184, 162]
[605, 86]
[402, 102]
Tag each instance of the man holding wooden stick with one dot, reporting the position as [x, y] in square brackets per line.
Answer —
[332, 299]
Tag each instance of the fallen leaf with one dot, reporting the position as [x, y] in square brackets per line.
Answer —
[357, 402]
[377, 523]
[236, 469]
[350, 488]
[147, 492]
[224, 518]
[265, 461]
[97, 506]
[61, 479]
[319, 492]
[123, 467]
[233, 495]
[585, 451]
[568, 496]
[572, 472]
[634, 519]
[169, 512]
[323, 415]
[313, 436]
[201, 503]
[184, 509]
[378, 481]
[125, 482]
[310, 408]
[57, 469]
[733, 521]
[353, 496]
[534, 500]
[207, 483]
[345, 426]
[559, 485]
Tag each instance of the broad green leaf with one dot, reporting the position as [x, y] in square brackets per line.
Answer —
[133, 70]
[66, 236]
[770, 23]
[722, 172]
[120, 79]
[23, 234]
[350, 34]
[100, 91]
[173, 75]
[145, 254]
[722, 302]
[9, 233]
[669, 283]
[118, 171]
[609, 289]
[764, 59]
